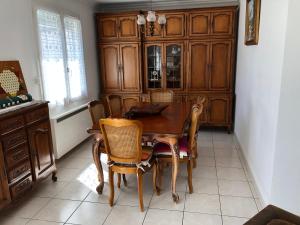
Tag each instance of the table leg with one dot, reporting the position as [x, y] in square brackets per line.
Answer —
[97, 161]
[175, 165]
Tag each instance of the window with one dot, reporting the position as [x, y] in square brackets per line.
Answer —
[61, 56]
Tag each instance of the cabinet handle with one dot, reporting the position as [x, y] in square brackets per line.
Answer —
[41, 130]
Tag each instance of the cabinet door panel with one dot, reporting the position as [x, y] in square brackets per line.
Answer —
[199, 59]
[130, 61]
[4, 190]
[107, 28]
[222, 23]
[218, 110]
[199, 24]
[220, 65]
[41, 147]
[128, 27]
[175, 25]
[110, 68]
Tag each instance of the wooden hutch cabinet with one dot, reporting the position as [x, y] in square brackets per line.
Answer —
[193, 55]
[26, 151]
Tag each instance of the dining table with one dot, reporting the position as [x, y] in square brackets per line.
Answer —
[166, 126]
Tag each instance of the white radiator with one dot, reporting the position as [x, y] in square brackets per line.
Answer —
[69, 130]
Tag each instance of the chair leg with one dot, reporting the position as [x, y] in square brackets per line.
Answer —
[140, 189]
[194, 163]
[155, 173]
[189, 171]
[119, 180]
[111, 186]
[160, 174]
[124, 180]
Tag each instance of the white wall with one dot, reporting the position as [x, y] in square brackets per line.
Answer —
[18, 39]
[258, 90]
[286, 178]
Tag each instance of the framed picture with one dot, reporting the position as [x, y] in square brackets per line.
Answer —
[252, 22]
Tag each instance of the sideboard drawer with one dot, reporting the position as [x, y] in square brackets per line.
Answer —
[16, 155]
[11, 124]
[38, 114]
[14, 139]
[19, 171]
[21, 187]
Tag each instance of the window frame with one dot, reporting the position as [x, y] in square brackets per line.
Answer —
[62, 14]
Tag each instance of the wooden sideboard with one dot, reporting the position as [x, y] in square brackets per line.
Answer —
[26, 152]
[193, 55]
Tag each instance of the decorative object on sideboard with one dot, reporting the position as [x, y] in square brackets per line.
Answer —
[151, 18]
[13, 89]
[252, 22]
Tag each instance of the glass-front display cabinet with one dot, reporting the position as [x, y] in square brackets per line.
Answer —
[164, 66]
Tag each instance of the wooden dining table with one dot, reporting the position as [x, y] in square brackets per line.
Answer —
[167, 127]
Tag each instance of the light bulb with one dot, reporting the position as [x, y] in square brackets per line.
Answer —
[141, 19]
[162, 20]
[151, 17]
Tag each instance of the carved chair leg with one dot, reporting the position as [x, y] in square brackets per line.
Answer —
[189, 172]
[160, 174]
[111, 186]
[194, 163]
[54, 177]
[97, 161]
[124, 180]
[140, 189]
[155, 173]
[119, 180]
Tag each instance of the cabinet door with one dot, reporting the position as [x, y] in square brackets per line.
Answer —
[41, 148]
[153, 66]
[173, 65]
[110, 68]
[175, 25]
[222, 23]
[218, 109]
[198, 66]
[4, 190]
[199, 24]
[220, 65]
[130, 67]
[128, 27]
[107, 27]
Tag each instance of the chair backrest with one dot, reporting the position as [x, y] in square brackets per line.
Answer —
[114, 103]
[97, 112]
[129, 102]
[122, 139]
[161, 96]
[195, 117]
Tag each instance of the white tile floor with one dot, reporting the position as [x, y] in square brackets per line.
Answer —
[223, 193]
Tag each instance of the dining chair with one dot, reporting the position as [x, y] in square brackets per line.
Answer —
[122, 139]
[187, 147]
[161, 96]
[129, 102]
[114, 103]
[97, 112]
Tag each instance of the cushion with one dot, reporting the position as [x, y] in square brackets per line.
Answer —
[146, 153]
[164, 149]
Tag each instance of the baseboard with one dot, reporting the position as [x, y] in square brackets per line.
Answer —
[249, 174]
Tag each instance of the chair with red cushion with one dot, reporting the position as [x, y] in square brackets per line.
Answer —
[187, 146]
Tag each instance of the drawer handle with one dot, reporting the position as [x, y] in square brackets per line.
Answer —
[41, 130]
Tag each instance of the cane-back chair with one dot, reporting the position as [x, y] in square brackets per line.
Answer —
[161, 96]
[123, 144]
[187, 146]
[114, 103]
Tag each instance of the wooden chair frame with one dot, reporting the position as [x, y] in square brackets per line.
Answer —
[111, 97]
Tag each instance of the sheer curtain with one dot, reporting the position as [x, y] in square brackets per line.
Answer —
[62, 58]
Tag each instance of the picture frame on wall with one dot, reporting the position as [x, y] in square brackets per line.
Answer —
[252, 22]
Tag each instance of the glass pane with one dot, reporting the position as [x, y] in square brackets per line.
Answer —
[173, 71]
[154, 66]
[76, 71]
[52, 57]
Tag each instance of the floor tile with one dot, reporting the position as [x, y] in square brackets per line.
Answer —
[163, 217]
[181, 183]
[165, 201]
[104, 197]
[206, 161]
[205, 151]
[90, 214]
[205, 144]
[13, 221]
[49, 189]
[233, 220]
[224, 144]
[205, 186]
[74, 162]
[40, 222]
[231, 174]
[203, 219]
[125, 215]
[228, 162]
[57, 210]
[65, 174]
[234, 188]
[226, 152]
[74, 191]
[129, 196]
[237, 206]
[205, 172]
[202, 203]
